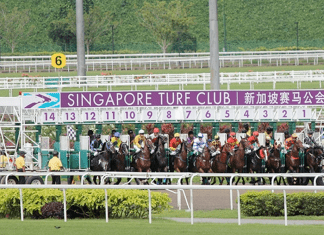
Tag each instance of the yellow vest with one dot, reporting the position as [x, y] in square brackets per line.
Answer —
[20, 162]
[3, 161]
[114, 139]
[55, 164]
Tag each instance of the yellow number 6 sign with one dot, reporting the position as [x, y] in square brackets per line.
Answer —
[58, 60]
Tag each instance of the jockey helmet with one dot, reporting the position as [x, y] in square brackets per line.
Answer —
[117, 134]
[156, 130]
[255, 133]
[190, 133]
[200, 135]
[176, 135]
[98, 136]
[294, 135]
[90, 132]
[246, 125]
[232, 134]
[310, 132]
[227, 130]
[130, 132]
[216, 137]
[268, 138]
[141, 132]
[269, 128]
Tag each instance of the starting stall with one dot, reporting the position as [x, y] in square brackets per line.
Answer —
[59, 109]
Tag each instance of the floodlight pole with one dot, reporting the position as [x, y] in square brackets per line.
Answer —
[80, 38]
[214, 48]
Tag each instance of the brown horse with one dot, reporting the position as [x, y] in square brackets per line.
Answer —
[118, 159]
[313, 158]
[254, 163]
[218, 163]
[180, 160]
[202, 164]
[142, 162]
[273, 162]
[293, 161]
[237, 159]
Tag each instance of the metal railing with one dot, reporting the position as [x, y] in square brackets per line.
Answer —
[161, 61]
[156, 80]
[179, 176]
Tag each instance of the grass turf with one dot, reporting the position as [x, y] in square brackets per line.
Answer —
[141, 227]
[227, 214]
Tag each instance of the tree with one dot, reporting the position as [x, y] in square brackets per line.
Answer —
[14, 26]
[96, 24]
[165, 22]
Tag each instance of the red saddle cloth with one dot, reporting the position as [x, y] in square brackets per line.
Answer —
[261, 154]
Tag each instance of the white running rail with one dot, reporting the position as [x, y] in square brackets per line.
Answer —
[135, 82]
[190, 187]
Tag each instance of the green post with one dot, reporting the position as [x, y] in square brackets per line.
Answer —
[17, 135]
[138, 126]
[158, 125]
[98, 128]
[292, 127]
[57, 137]
[177, 127]
[255, 126]
[196, 128]
[78, 132]
[313, 126]
[118, 127]
[235, 126]
[215, 128]
[38, 133]
[274, 125]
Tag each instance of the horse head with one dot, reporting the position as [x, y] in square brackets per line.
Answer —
[163, 139]
[123, 149]
[299, 145]
[149, 144]
[226, 148]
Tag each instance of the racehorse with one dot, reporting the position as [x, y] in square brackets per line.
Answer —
[293, 161]
[202, 164]
[159, 162]
[313, 158]
[180, 159]
[254, 162]
[273, 162]
[218, 162]
[118, 159]
[102, 162]
[237, 159]
[142, 161]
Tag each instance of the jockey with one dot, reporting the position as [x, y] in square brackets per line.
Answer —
[286, 134]
[154, 136]
[175, 143]
[233, 141]
[254, 139]
[139, 141]
[309, 140]
[227, 131]
[96, 145]
[191, 137]
[290, 142]
[268, 142]
[268, 132]
[199, 144]
[248, 129]
[116, 141]
[217, 144]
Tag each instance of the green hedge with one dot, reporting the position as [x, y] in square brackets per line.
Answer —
[272, 204]
[121, 203]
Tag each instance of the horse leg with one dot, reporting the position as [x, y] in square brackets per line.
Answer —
[118, 181]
